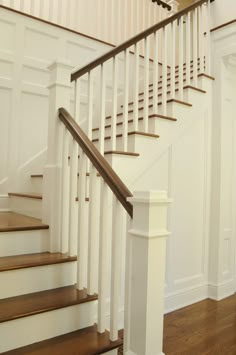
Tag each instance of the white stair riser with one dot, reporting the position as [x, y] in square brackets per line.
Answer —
[37, 184]
[27, 206]
[35, 279]
[32, 329]
[24, 242]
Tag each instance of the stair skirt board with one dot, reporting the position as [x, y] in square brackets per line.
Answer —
[32, 329]
[34, 279]
[24, 242]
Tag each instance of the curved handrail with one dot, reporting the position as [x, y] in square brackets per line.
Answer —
[163, 4]
[96, 158]
[77, 74]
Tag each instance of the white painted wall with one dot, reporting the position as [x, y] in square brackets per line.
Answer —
[222, 11]
[27, 47]
[223, 233]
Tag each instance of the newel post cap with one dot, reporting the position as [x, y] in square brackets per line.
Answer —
[60, 73]
[149, 214]
[151, 197]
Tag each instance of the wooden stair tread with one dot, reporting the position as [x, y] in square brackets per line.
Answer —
[120, 152]
[43, 301]
[11, 221]
[168, 92]
[41, 175]
[16, 262]
[32, 195]
[81, 342]
[150, 106]
[130, 134]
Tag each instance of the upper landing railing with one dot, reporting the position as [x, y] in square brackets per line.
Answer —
[111, 21]
[164, 59]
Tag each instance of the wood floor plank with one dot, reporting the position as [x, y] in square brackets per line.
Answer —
[82, 342]
[33, 260]
[39, 302]
[205, 328]
[11, 221]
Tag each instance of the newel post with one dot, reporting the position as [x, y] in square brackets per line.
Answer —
[59, 96]
[146, 274]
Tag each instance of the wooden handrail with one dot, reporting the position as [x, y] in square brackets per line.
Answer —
[105, 170]
[163, 4]
[105, 57]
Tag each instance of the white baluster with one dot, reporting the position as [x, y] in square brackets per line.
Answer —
[164, 71]
[146, 85]
[136, 87]
[65, 194]
[90, 105]
[41, 9]
[103, 258]
[77, 100]
[126, 100]
[22, 5]
[32, 7]
[82, 245]
[181, 56]
[137, 16]
[114, 102]
[200, 38]
[188, 49]
[102, 110]
[93, 228]
[119, 22]
[115, 267]
[132, 22]
[195, 45]
[155, 73]
[126, 19]
[73, 225]
[173, 58]
[59, 12]
[208, 39]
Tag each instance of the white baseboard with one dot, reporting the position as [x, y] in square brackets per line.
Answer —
[221, 291]
[185, 298]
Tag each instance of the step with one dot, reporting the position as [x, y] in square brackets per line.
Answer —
[42, 315]
[36, 181]
[119, 139]
[21, 234]
[21, 274]
[29, 204]
[168, 92]
[151, 106]
[11, 221]
[82, 342]
[119, 125]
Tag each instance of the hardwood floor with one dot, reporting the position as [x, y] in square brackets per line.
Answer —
[205, 328]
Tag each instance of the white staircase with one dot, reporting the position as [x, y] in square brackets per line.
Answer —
[64, 275]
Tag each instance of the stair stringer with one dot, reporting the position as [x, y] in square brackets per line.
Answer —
[151, 149]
